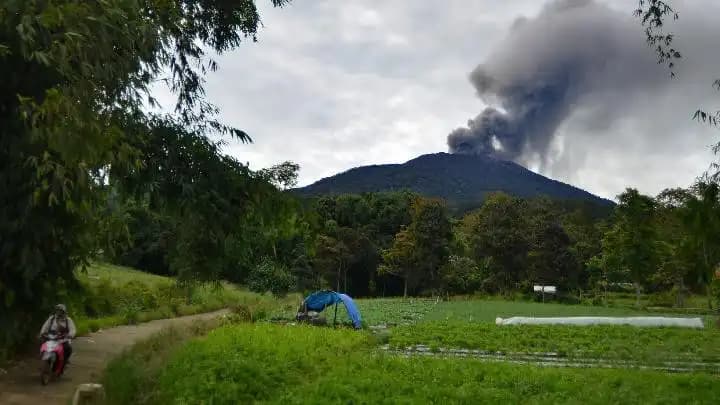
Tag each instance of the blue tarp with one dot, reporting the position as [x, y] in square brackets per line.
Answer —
[351, 310]
[320, 300]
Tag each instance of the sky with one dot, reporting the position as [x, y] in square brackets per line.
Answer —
[332, 85]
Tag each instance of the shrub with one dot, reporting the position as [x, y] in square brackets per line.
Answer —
[93, 326]
[271, 276]
[130, 315]
[241, 312]
[460, 275]
[663, 299]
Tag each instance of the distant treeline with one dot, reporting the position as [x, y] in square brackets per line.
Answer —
[400, 243]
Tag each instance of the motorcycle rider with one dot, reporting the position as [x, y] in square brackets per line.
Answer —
[60, 324]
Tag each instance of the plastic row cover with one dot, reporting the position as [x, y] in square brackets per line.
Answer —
[604, 320]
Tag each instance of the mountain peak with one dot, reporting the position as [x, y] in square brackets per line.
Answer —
[458, 178]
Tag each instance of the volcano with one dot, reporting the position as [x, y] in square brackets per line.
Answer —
[460, 179]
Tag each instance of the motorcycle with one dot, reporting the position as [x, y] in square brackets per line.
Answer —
[52, 355]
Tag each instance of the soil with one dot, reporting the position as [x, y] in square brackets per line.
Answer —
[20, 385]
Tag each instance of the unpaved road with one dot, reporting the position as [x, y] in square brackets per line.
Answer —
[91, 353]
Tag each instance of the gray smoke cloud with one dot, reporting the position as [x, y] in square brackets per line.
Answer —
[575, 54]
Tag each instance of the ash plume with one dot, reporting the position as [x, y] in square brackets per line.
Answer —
[573, 54]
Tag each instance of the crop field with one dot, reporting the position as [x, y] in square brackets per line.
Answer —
[652, 345]
[300, 364]
[446, 352]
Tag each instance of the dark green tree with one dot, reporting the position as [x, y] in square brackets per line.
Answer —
[498, 230]
[82, 116]
[418, 251]
[401, 260]
[629, 247]
[701, 217]
[461, 275]
[270, 276]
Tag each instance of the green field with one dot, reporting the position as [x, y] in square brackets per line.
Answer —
[114, 295]
[651, 345]
[264, 363]
[296, 364]
[488, 310]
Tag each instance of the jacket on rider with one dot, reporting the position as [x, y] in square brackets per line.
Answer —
[55, 324]
[60, 323]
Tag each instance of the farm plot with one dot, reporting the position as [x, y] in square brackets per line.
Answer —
[488, 310]
[666, 347]
[394, 311]
[382, 311]
[265, 363]
[467, 329]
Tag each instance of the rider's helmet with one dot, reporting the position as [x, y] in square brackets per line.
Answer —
[60, 309]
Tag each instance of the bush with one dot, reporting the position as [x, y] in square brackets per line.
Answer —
[460, 275]
[271, 276]
[663, 299]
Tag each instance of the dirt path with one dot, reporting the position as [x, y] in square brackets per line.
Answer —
[21, 383]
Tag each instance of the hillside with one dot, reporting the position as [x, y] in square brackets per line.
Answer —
[460, 179]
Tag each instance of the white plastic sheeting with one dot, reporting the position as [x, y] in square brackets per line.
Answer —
[604, 320]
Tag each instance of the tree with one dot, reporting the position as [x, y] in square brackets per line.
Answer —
[82, 116]
[369, 222]
[150, 234]
[271, 276]
[338, 253]
[401, 260]
[550, 260]
[432, 233]
[701, 216]
[284, 175]
[498, 230]
[419, 250]
[675, 261]
[460, 275]
[628, 247]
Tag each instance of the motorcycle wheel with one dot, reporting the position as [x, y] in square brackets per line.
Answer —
[45, 373]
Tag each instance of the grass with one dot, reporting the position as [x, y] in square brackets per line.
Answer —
[133, 376]
[130, 377]
[263, 363]
[394, 311]
[393, 380]
[117, 276]
[488, 310]
[389, 311]
[471, 325]
[270, 363]
[115, 295]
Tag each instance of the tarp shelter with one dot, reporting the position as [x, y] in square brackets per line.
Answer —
[320, 300]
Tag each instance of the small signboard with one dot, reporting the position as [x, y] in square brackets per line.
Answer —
[547, 289]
